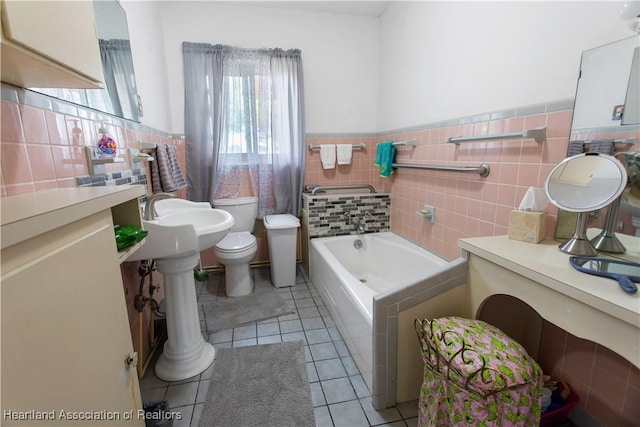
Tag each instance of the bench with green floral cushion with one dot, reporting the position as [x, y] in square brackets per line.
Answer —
[474, 374]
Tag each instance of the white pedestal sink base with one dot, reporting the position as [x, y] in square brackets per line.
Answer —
[185, 353]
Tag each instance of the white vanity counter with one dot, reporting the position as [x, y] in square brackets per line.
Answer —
[586, 306]
[61, 290]
[30, 214]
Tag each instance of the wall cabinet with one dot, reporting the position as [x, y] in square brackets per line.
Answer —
[50, 44]
[66, 343]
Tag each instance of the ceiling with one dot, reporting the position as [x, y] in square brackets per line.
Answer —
[363, 8]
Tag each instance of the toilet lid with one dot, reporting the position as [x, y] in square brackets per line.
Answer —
[237, 241]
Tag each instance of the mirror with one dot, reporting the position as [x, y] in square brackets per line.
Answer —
[120, 96]
[626, 273]
[583, 183]
[631, 114]
[606, 120]
[603, 87]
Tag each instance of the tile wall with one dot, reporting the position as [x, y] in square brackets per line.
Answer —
[607, 384]
[326, 213]
[135, 176]
[42, 146]
[471, 206]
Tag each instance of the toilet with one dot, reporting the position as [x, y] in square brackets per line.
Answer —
[239, 246]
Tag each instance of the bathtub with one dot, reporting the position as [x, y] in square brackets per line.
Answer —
[348, 278]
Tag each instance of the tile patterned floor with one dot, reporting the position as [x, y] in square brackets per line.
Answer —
[339, 394]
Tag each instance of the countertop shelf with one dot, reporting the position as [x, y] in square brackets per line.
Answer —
[124, 254]
[24, 216]
[96, 163]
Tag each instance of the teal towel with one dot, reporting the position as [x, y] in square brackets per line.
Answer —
[385, 152]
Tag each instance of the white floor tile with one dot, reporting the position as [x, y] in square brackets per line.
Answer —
[348, 414]
[339, 394]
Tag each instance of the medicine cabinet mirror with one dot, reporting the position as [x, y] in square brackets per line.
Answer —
[607, 109]
[120, 96]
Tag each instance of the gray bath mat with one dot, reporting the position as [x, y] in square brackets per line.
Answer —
[225, 313]
[259, 385]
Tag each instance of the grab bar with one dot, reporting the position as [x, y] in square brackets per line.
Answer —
[483, 170]
[354, 146]
[344, 187]
[538, 134]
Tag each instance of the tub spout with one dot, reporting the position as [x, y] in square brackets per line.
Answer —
[359, 227]
[352, 221]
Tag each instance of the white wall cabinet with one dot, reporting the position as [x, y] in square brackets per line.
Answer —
[65, 330]
[50, 44]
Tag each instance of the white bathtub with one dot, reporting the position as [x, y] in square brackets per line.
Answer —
[348, 278]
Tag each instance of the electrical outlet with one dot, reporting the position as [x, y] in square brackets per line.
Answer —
[429, 213]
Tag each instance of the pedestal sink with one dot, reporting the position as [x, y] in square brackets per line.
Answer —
[175, 241]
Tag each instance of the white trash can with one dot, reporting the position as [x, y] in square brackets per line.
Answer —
[281, 237]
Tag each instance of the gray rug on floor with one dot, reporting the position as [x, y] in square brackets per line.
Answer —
[259, 385]
[225, 312]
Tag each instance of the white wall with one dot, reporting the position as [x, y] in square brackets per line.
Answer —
[419, 62]
[147, 49]
[444, 60]
[339, 54]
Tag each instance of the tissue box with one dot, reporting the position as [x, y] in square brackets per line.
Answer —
[527, 226]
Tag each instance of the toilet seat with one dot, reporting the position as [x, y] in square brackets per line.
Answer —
[236, 242]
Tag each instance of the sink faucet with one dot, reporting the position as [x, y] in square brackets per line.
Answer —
[149, 209]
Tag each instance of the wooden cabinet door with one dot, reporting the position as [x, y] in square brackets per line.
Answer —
[65, 331]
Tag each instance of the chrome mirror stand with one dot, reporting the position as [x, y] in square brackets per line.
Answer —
[607, 241]
[579, 244]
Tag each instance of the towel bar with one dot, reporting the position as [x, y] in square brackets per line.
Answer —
[410, 143]
[538, 134]
[355, 147]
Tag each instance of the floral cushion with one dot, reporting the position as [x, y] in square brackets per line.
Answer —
[476, 375]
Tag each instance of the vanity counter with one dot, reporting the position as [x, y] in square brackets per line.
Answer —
[587, 306]
[61, 284]
[30, 214]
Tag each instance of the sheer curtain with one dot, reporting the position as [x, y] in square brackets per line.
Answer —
[244, 108]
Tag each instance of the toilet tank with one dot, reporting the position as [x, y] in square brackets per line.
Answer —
[243, 209]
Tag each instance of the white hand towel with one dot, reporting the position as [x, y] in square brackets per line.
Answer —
[328, 156]
[344, 153]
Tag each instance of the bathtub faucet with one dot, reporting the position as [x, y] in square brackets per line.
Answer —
[353, 221]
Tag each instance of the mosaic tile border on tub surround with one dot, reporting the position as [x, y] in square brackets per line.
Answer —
[326, 213]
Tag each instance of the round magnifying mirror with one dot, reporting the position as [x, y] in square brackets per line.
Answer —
[583, 183]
